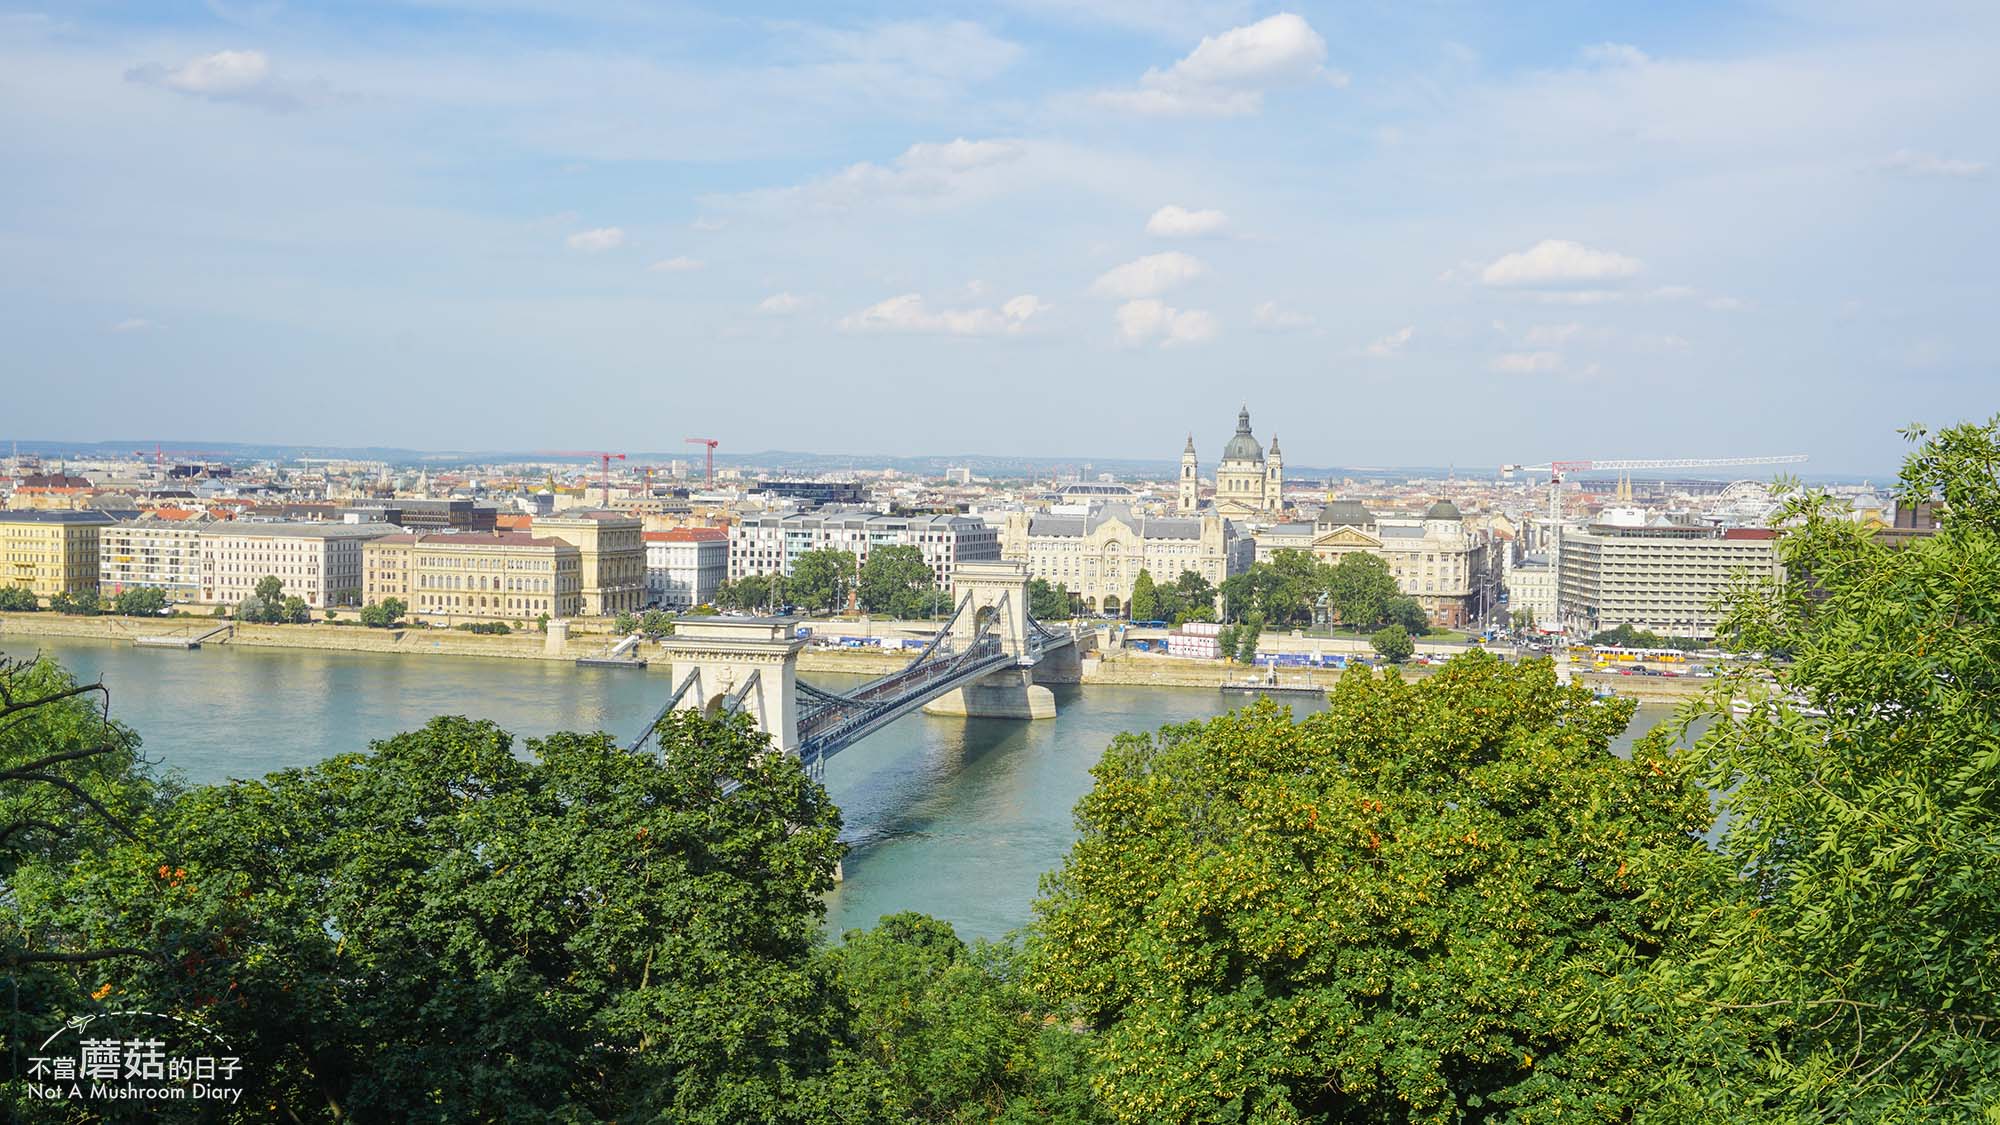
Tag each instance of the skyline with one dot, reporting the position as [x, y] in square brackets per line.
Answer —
[1447, 235]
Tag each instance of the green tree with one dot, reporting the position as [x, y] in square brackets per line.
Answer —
[18, 599]
[1393, 642]
[72, 782]
[82, 603]
[295, 611]
[383, 614]
[950, 1033]
[270, 590]
[1247, 635]
[1225, 642]
[1361, 589]
[145, 601]
[1406, 612]
[1407, 907]
[821, 579]
[1049, 602]
[897, 581]
[1522, 620]
[1853, 976]
[441, 930]
[1145, 603]
[656, 623]
[625, 624]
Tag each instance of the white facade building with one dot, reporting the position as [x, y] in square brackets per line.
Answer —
[685, 565]
[771, 544]
[318, 562]
[147, 553]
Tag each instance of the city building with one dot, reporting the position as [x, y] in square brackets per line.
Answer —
[1248, 483]
[430, 515]
[771, 544]
[614, 558]
[1664, 577]
[1099, 556]
[453, 578]
[1434, 559]
[320, 562]
[159, 554]
[814, 493]
[50, 552]
[685, 565]
[1531, 589]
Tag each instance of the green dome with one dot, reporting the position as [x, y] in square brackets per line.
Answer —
[1243, 447]
[1443, 510]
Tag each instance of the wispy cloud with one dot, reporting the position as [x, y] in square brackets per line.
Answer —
[1910, 162]
[1151, 320]
[781, 304]
[678, 264]
[1173, 221]
[1270, 316]
[1390, 346]
[1559, 263]
[1149, 276]
[225, 76]
[596, 241]
[910, 314]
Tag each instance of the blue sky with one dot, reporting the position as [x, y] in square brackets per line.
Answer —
[1405, 233]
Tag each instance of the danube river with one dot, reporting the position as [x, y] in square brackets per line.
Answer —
[953, 817]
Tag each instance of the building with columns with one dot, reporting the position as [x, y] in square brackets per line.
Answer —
[1099, 556]
[1249, 484]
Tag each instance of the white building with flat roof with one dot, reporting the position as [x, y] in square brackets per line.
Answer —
[321, 563]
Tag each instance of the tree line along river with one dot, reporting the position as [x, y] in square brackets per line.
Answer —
[957, 818]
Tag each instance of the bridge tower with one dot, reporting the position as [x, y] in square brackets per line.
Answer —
[999, 587]
[756, 658]
[995, 587]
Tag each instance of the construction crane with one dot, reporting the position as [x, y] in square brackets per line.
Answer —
[605, 458]
[711, 443]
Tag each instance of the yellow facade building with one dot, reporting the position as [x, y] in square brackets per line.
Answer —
[50, 553]
[450, 579]
[613, 551]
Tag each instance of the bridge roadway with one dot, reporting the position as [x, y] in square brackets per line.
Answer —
[984, 656]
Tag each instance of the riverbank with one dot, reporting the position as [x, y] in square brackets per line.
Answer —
[1120, 668]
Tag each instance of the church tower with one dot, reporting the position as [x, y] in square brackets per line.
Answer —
[1274, 479]
[1190, 480]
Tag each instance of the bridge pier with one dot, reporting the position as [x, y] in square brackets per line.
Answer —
[1010, 693]
[723, 653]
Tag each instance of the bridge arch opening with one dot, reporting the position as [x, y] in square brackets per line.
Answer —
[713, 707]
[983, 618]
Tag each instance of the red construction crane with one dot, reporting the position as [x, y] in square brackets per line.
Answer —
[602, 456]
[711, 443]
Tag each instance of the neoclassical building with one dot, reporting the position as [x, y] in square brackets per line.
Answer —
[1434, 559]
[1099, 556]
[1249, 484]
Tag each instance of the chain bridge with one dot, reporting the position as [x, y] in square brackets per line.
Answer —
[984, 661]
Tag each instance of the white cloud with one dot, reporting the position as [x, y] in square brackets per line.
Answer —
[679, 264]
[708, 224]
[1141, 322]
[1149, 276]
[1559, 263]
[1551, 335]
[1615, 54]
[136, 324]
[1391, 345]
[1178, 222]
[596, 241]
[225, 76]
[1226, 75]
[1528, 363]
[781, 304]
[1910, 162]
[924, 173]
[1273, 317]
[1717, 301]
[909, 313]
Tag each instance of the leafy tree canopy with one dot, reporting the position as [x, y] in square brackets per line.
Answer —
[1402, 908]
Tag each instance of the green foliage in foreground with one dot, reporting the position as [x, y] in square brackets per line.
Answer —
[439, 930]
[1857, 977]
[1399, 908]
